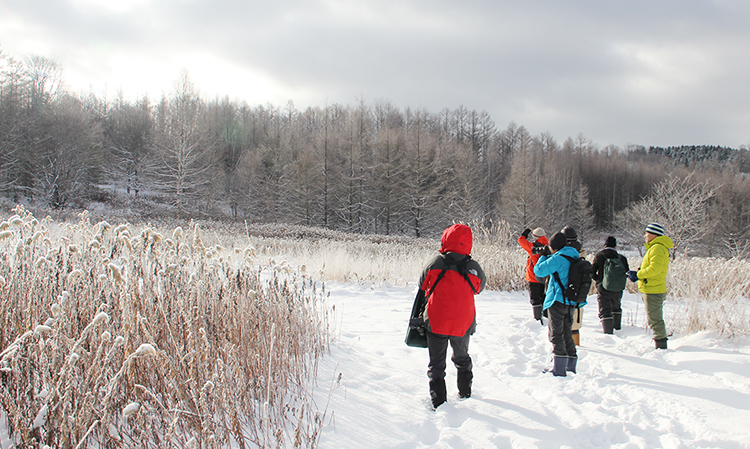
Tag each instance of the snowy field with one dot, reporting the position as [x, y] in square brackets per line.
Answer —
[625, 395]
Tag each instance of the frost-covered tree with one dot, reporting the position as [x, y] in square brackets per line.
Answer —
[128, 137]
[185, 153]
[522, 200]
[681, 205]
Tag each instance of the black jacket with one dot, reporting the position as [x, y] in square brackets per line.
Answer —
[600, 258]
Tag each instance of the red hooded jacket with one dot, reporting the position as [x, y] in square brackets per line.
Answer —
[450, 308]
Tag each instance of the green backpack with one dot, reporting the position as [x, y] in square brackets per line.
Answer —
[614, 277]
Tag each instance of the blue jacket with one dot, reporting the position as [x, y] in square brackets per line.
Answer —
[551, 264]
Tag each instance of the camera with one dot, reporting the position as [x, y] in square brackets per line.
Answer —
[542, 250]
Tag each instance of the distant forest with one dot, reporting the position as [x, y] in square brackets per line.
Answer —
[362, 168]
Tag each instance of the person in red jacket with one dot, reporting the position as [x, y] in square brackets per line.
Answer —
[450, 315]
[532, 242]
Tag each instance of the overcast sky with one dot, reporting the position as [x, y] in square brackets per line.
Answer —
[619, 72]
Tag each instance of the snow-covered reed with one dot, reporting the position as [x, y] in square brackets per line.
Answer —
[208, 334]
[123, 336]
[378, 259]
[708, 294]
[711, 294]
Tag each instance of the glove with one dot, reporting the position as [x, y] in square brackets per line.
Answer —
[526, 233]
[545, 251]
[632, 275]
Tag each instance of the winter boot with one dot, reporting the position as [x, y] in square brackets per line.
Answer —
[437, 392]
[608, 325]
[617, 318]
[572, 362]
[576, 338]
[660, 343]
[464, 384]
[537, 312]
[559, 365]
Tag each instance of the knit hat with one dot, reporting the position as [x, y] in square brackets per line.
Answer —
[610, 242]
[538, 232]
[569, 233]
[655, 228]
[558, 241]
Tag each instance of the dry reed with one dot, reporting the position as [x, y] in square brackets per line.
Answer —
[120, 335]
[708, 294]
[117, 337]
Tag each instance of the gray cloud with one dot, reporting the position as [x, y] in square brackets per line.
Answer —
[661, 73]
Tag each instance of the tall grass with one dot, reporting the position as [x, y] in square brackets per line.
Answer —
[337, 256]
[209, 336]
[707, 293]
[710, 294]
[117, 337]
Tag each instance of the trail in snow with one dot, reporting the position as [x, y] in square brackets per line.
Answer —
[625, 395]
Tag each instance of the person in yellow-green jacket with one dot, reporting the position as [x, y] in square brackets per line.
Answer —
[652, 280]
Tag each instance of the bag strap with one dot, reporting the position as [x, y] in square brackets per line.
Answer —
[559, 282]
[570, 259]
[442, 273]
[440, 276]
[432, 289]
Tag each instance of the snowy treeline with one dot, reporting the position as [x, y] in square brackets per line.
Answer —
[364, 168]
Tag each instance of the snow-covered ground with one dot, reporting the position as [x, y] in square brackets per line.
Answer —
[625, 395]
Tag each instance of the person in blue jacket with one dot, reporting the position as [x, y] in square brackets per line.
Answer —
[558, 308]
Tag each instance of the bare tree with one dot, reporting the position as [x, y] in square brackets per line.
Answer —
[184, 151]
[582, 213]
[10, 135]
[68, 159]
[45, 76]
[129, 135]
[522, 199]
[357, 155]
[390, 169]
[679, 204]
[422, 181]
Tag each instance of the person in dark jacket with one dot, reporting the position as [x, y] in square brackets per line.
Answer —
[532, 242]
[610, 301]
[450, 315]
[559, 309]
[571, 238]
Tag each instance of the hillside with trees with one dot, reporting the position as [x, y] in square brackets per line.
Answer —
[363, 168]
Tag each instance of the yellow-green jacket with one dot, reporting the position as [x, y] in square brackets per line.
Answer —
[652, 276]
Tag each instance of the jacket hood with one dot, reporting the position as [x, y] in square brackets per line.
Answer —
[569, 251]
[661, 240]
[457, 239]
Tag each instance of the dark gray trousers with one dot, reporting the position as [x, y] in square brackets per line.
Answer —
[536, 293]
[437, 345]
[560, 329]
[609, 302]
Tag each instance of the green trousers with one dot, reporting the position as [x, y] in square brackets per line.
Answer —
[654, 310]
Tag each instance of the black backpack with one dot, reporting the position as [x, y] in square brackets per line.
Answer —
[579, 280]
